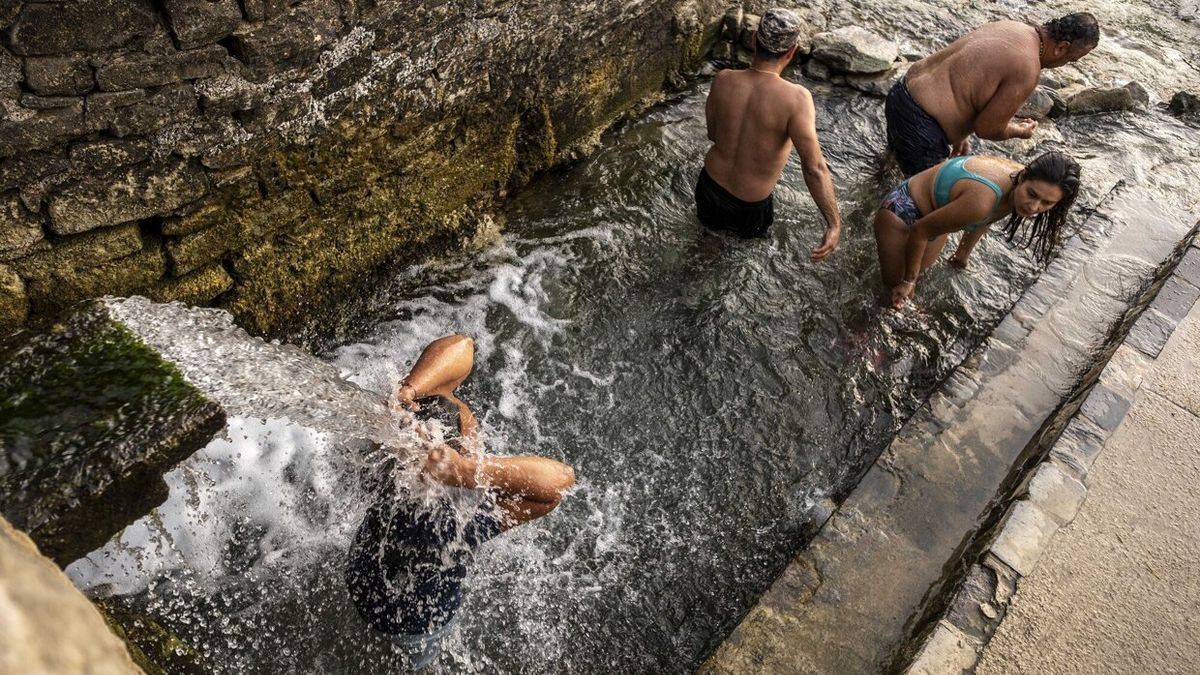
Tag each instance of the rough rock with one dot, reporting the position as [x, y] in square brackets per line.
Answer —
[136, 112]
[135, 71]
[25, 169]
[59, 75]
[815, 69]
[96, 418]
[1184, 103]
[1026, 533]
[1141, 95]
[66, 286]
[81, 25]
[749, 26]
[19, 229]
[1040, 105]
[260, 10]
[1100, 100]
[38, 129]
[227, 93]
[202, 22]
[86, 250]
[731, 26]
[855, 50]
[48, 626]
[877, 85]
[34, 102]
[287, 44]
[14, 306]
[1056, 493]
[10, 69]
[197, 288]
[105, 155]
[1189, 10]
[129, 194]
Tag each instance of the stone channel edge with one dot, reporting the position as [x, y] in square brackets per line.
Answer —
[1057, 486]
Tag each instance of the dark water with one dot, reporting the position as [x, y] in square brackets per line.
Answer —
[712, 394]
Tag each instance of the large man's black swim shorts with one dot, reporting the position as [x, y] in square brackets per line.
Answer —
[915, 137]
[720, 210]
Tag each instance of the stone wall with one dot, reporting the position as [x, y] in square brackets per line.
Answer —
[264, 154]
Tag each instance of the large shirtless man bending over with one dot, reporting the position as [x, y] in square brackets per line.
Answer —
[976, 85]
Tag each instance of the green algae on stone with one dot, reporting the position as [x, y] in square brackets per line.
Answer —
[90, 418]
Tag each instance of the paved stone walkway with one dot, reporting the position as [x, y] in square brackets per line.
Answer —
[1118, 590]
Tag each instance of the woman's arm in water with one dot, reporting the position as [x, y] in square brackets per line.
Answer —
[527, 487]
[966, 245]
[442, 366]
[951, 217]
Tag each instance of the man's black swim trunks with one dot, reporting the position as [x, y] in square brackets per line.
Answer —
[720, 210]
[915, 137]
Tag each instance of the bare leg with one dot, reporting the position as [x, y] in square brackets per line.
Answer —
[442, 366]
[932, 251]
[891, 239]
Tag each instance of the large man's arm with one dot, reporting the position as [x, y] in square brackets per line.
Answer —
[995, 122]
[802, 128]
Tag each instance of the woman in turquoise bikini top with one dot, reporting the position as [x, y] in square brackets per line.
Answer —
[968, 194]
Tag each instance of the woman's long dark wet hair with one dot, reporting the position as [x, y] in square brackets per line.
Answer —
[1044, 233]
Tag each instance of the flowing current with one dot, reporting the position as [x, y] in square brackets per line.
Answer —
[713, 395]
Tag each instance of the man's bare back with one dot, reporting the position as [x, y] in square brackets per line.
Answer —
[980, 81]
[749, 115]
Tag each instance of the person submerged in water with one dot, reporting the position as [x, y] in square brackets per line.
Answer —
[968, 194]
[754, 119]
[976, 85]
[408, 559]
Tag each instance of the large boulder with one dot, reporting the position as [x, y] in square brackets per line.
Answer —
[1100, 100]
[1043, 104]
[47, 625]
[855, 50]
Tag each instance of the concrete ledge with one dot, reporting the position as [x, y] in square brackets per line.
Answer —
[1057, 488]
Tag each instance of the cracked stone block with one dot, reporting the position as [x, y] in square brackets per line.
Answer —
[136, 192]
[19, 229]
[202, 22]
[1189, 267]
[1150, 333]
[66, 286]
[58, 75]
[1056, 493]
[948, 650]
[81, 25]
[278, 45]
[974, 609]
[108, 154]
[1125, 371]
[41, 128]
[1175, 299]
[197, 288]
[1079, 444]
[1105, 407]
[1026, 533]
[133, 71]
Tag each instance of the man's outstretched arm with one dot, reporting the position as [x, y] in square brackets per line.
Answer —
[802, 128]
[527, 487]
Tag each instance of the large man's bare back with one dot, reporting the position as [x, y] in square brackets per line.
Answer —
[748, 115]
[995, 65]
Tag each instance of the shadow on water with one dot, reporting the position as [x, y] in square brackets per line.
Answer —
[713, 395]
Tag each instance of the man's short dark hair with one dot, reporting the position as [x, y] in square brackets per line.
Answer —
[1080, 29]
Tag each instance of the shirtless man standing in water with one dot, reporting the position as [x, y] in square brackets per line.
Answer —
[976, 85]
[754, 119]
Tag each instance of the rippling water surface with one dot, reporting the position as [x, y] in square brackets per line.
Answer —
[712, 394]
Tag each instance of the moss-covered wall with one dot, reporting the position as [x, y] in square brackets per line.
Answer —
[264, 154]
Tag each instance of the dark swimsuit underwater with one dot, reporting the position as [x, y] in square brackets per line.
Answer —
[719, 209]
